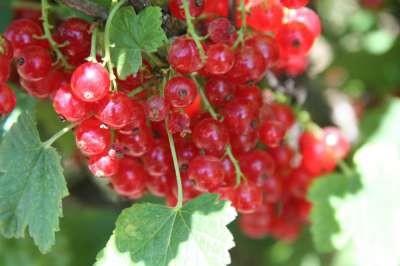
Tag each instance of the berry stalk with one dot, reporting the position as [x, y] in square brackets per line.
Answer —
[48, 36]
[191, 30]
[242, 30]
[238, 172]
[205, 101]
[107, 44]
[93, 48]
[59, 134]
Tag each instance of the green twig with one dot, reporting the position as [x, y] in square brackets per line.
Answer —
[48, 36]
[192, 31]
[93, 49]
[26, 5]
[243, 28]
[179, 204]
[107, 44]
[238, 172]
[205, 101]
[59, 134]
[345, 168]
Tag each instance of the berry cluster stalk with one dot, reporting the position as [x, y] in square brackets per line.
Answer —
[47, 34]
[242, 30]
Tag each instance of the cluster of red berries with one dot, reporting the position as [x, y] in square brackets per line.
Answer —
[235, 146]
[7, 95]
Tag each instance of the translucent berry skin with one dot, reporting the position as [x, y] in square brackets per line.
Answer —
[294, 4]
[317, 158]
[298, 183]
[267, 46]
[103, 165]
[190, 190]
[176, 8]
[283, 156]
[218, 91]
[249, 66]
[5, 69]
[7, 100]
[272, 133]
[115, 110]
[265, 17]
[257, 165]
[159, 186]
[138, 143]
[158, 160]
[283, 113]
[130, 181]
[256, 225]
[157, 108]
[178, 122]
[45, 87]
[185, 150]
[219, 8]
[239, 116]
[308, 17]
[221, 30]
[242, 143]
[92, 137]
[292, 66]
[33, 62]
[184, 56]
[68, 106]
[207, 172]
[251, 94]
[247, 198]
[294, 39]
[212, 136]
[136, 80]
[90, 82]
[137, 117]
[20, 33]
[220, 59]
[180, 92]
[336, 141]
[76, 32]
[273, 188]
[230, 174]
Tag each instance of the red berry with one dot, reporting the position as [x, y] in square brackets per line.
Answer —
[75, 34]
[257, 224]
[294, 4]
[221, 30]
[244, 142]
[68, 106]
[251, 94]
[103, 165]
[157, 108]
[115, 110]
[137, 117]
[219, 8]
[239, 117]
[22, 32]
[45, 87]
[92, 137]
[7, 100]
[230, 174]
[189, 187]
[185, 150]
[220, 59]
[176, 8]
[272, 133]
[292, 66]
[257, 166]
[33, 63]
[273, 189]
[5, 69]
[283, 113]
[158, 160]
[207, 172]
[247, 198]
[90, 82]
[178, 122]
[294, 39]
[336, 141]
[249, 66]
[136, 80]
[184, 56]
[211, 136]
[306, 16]
[218, 91]
[130, 181]
[159, 185]
[298, 183]
[267, 46]
[265, 16]
[283, 156]
[138, 143]
[180, 92]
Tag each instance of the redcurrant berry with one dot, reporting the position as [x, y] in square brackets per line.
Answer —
[207, 172]
[221, 30]
[247, 198]
[180, 92]
[220, 59]
[33, 63]
[184, 56]
[103, 165]
[158, 160]
[257, 166]
[92, 137]
[7, 100]
[68, 106]
[22, 33]
[176, 8]
[212, 136]
[294, 4]
[267, 46]
[157, 108]
[178, 122]
[294, 39]
[138, 143]
[218, 91]
[272, 133]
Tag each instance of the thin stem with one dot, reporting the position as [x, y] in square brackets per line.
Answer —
[26, 5]
[136, 91]
[179, 204]
[345, 168]
[107, 44]
[155, 60]
[59, 134]
[93, 49]
[243, 28]
[205, 101]
[47, 34]
[90, 8]
[238, 172]
[192, 31]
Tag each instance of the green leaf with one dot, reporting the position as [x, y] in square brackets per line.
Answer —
[366, 220]
[132, 34]
[31, 185]
[155, 235]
